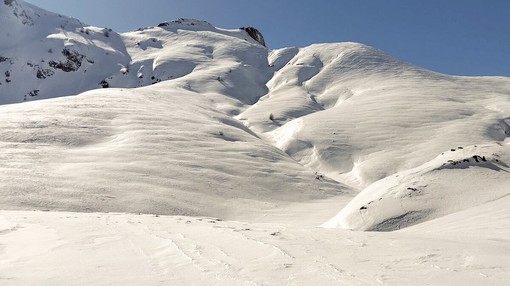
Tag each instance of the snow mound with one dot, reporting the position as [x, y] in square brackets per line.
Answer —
[456, 180]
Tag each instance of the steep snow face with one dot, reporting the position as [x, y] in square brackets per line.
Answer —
[45, 55]
[49, 55]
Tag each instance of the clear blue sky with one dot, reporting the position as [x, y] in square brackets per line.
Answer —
[463, 37]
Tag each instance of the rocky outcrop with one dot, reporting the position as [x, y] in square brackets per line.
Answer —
[185, 22]
[19, 12]
[73, 62]
[255, 34]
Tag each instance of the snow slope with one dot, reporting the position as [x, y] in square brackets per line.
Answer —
[239, 152]
[375, 123]
[143, 150]
[46, 55]
[453, 181]
[170, 148]
[359, 115]
[344, 111]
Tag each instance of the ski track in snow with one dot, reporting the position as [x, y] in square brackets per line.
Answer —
[196, 250]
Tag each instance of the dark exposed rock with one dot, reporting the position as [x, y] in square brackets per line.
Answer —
[3, 59]
[73, 56]
[104, 84]
[8, 2]
[34, 92]
[477, 159]
[55, 65]
[184, 22]
[255, 34]
[106, 32]
[44, 73]
[73, 62]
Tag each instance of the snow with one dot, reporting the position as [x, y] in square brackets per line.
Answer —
[453, 181]
[128, 249]
[188, 154]
[144, 150]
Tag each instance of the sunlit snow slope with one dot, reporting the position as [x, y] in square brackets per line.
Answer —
[186, 118]
[418, 143]
[171, 148]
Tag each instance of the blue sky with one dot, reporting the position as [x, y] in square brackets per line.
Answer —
[462, 37]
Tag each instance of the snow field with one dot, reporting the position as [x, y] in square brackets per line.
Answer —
[112, 248]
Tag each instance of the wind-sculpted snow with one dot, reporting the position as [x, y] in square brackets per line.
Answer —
[360, 117]
[144, 150]
[377, 111]
[458, 179]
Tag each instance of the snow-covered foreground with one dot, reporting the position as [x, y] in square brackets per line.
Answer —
[54, 248]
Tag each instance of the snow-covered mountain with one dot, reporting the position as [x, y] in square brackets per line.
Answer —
[45, 55]
[187, 119]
